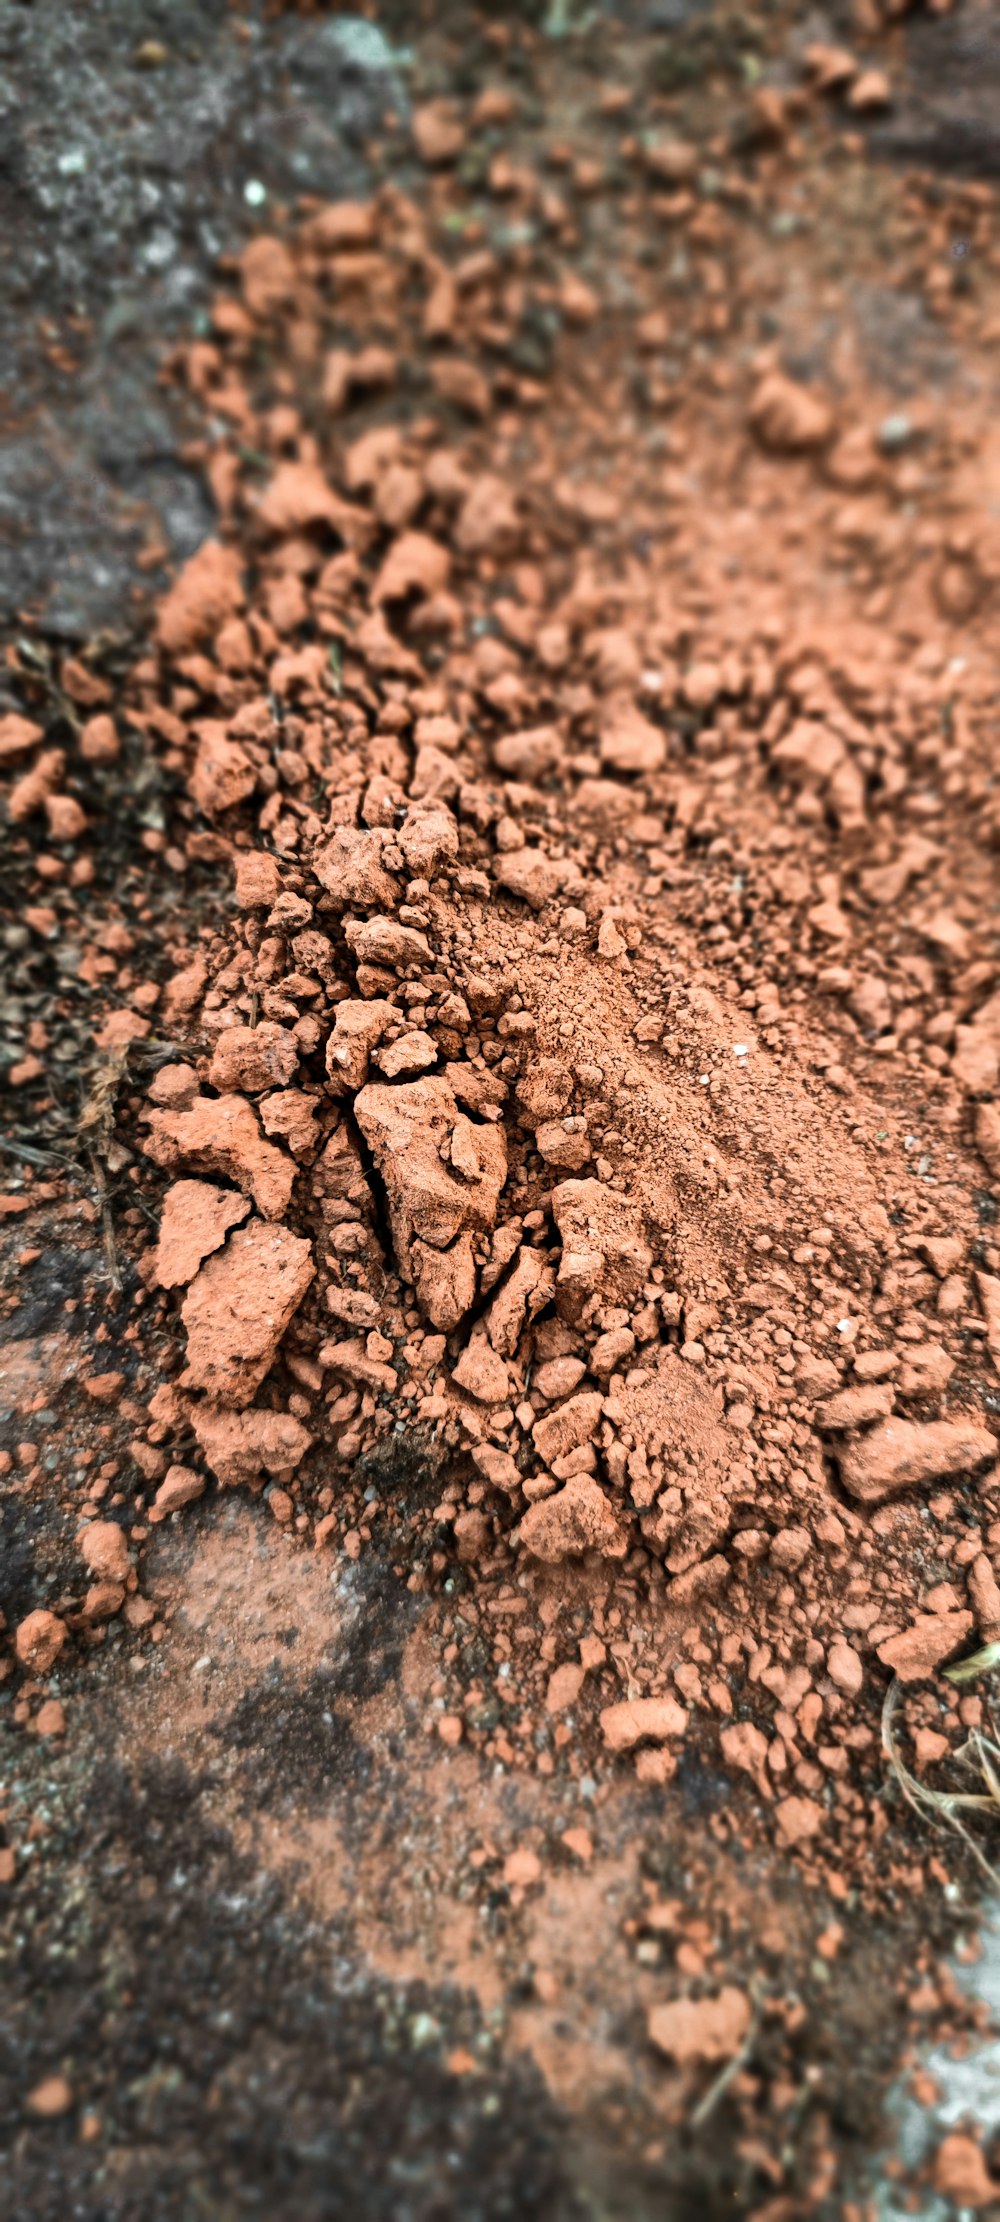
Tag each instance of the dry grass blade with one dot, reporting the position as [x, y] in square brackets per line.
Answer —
[727, 2075]
[980, 1752]
[986, 1750]
[97, 1118]
[96, 1129]
[978, 1662]
[107, 1222]
[942, 1807]
[34, 1156]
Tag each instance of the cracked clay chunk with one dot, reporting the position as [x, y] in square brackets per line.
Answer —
[385, 941]
[988, 1291]
[220, 1134]
[17, 735]
[428, 838]
[351, 1357]
[787, 417]
[569, 1152]
[445, 1281]
[407, 1056]
[181, 1485]
[642, 1719]
[798, 1820]
[297, 499]
[543, 1092]
[570, 1425]
[39, 1640]
[238, 1308]
[530, 753]
[629, 743]
[351, 870]
[196, 1220]
[258, 880]
[415, 564]
[984, 1597]
[207, 591]
[601, 1247]
[438, 133]
[253, 1059]
[529, 874]
[526, 1291]
[902, 1454]
[487, 523]
[855, 1406]
[578, 1518]
[290, 1116]
[481, 1373]
[692, 2030]
[104, 1550]
[407, 1127]
[240, 1446]
[915, 1653]
[988, 1136]
[357, 1028]
[222, 774]
[745, 1746]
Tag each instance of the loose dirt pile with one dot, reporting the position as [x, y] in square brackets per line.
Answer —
[575, 1126]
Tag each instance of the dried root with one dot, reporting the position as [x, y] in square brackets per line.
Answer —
[945, 1807]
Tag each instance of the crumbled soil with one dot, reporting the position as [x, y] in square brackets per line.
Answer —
[503, 1315]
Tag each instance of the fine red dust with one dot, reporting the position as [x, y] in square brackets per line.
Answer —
[559, 1071]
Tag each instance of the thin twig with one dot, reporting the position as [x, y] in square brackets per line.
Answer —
[34, 1156]
[97, 1117]
[720, 2085]
[107, 1223]
[941, 1807]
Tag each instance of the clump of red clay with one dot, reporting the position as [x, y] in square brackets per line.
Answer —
[586, 1084]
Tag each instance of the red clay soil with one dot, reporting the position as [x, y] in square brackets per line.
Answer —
[549, 1088]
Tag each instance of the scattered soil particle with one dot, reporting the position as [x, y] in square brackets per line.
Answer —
[501, 1051]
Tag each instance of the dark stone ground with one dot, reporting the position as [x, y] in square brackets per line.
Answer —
[240, 2066]
[119, 185]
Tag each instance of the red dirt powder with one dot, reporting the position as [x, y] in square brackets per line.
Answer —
[589, 1186]
[588, 1087]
